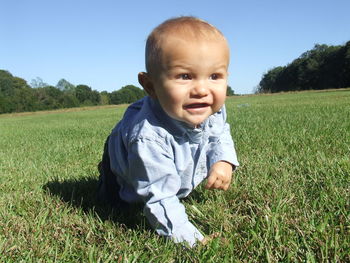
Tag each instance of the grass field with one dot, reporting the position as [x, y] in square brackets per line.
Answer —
[289, 201]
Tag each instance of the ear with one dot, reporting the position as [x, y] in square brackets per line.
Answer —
[147, 84]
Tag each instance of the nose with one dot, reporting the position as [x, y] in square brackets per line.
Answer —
[200, 89]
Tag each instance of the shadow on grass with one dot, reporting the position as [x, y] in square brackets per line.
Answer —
[81, 193]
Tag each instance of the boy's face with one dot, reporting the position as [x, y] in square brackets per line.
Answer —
[191, 83]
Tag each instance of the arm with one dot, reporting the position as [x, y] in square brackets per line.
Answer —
[223, 158]
[156, 181]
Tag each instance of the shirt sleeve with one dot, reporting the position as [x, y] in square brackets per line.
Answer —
[224, 148]
[156, 181]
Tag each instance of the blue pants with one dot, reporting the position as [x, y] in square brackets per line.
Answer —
[108, 187]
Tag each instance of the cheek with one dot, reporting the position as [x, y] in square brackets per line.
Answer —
[171, 101]
[220, 95]
[174, 96]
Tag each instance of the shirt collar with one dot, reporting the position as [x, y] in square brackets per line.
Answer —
[175, 127]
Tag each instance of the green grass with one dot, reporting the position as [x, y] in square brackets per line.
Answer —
[289, 201]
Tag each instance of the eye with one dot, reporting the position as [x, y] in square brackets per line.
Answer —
[185, 76]
[214, 76]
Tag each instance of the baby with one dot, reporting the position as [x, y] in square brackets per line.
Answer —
[170, 141]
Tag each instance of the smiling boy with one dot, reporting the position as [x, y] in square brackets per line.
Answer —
[170, 141]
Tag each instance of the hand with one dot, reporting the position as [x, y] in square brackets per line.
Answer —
[216, 235]
[209, 238]
[220, 176]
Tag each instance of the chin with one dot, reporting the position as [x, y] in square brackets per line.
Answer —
[196, 123]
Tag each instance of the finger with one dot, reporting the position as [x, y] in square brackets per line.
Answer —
[227, 179]
[215, 185]
[205, 241]
[215, 235]
[226, 187]
[218, 184]
[211, 181]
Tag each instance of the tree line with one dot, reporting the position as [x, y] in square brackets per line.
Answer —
[16, 95]
[323, 67]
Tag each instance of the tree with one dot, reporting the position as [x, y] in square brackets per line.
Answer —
[82, 93]
[9, 83]
[87, 96]
[38, 83]
[6, 83]
[229, 91]
[322, 67]
[267, 84]
[95, 97]
[16, 95]
[65, 86]
[69, 100]
[346, 66]
[126, 94]
[24, 99]
[104, 98]
[5, 104]
[49, 98]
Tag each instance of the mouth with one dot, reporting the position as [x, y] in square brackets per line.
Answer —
[196, 106]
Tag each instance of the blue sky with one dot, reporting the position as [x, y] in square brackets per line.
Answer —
[101, 43]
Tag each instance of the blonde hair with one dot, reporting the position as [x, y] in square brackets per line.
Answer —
[187, 27]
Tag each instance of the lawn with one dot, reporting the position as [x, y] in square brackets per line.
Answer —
[289, 200]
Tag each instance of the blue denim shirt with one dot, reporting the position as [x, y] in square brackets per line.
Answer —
[158, 160]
